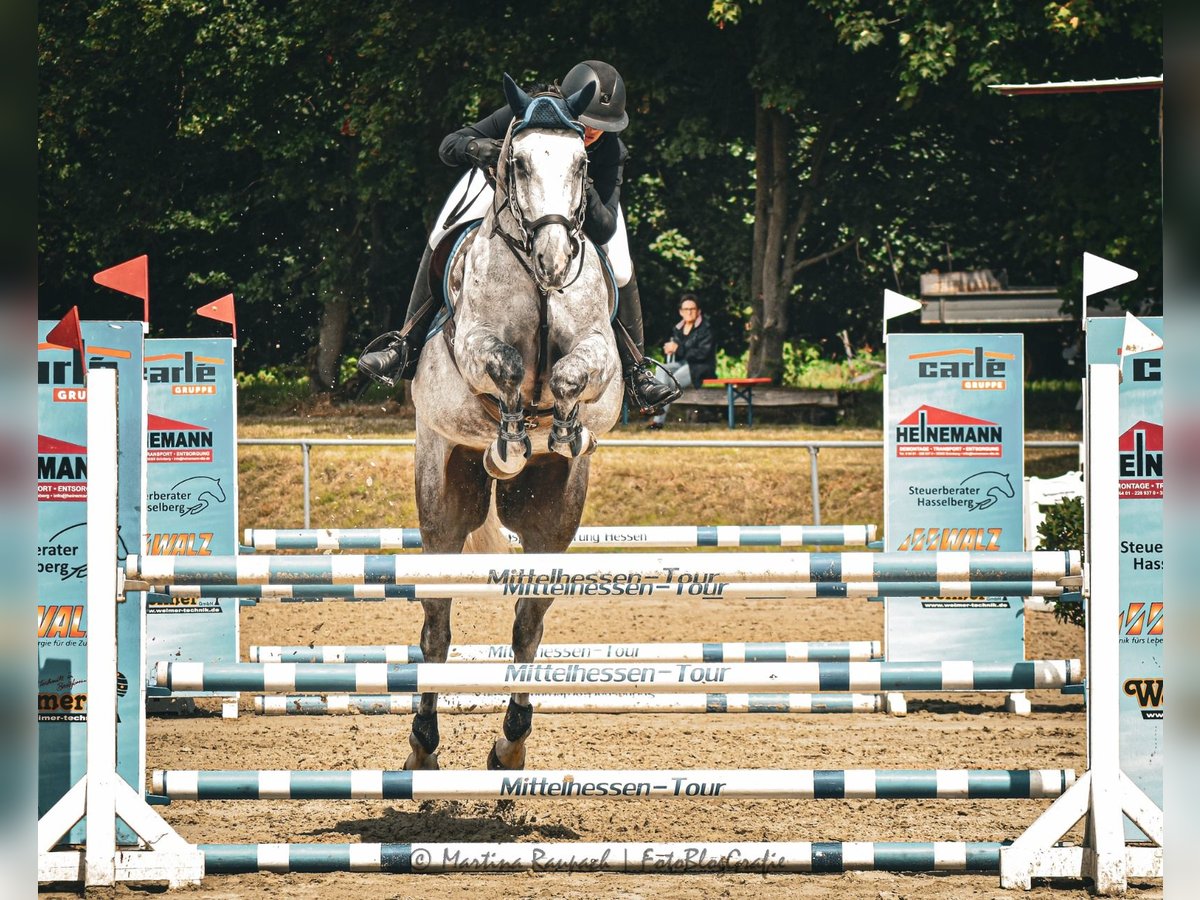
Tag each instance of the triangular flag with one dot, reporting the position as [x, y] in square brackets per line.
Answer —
[897, 304]
[130, 277]
[67, 333]
[1100, 274]
[1137, 338]
[221, 310]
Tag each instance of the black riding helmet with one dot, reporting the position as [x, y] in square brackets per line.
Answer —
[607, 109]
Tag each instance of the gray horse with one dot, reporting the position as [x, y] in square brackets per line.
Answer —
[532, 305]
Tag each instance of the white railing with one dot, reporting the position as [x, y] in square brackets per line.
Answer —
[813, 447]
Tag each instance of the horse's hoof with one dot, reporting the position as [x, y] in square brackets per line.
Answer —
[429, 763]
[494, 763]
[581, 443]
[502, 469]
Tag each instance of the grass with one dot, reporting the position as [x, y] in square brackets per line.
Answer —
[373, 487]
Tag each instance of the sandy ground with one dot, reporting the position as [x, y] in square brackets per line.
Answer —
[941, 731]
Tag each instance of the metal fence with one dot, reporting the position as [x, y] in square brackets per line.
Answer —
[813, 447]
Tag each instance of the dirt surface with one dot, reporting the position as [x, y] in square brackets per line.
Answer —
[941, 731]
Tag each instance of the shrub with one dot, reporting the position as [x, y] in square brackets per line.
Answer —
[1063, 530]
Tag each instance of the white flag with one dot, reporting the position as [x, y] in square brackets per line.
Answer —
[1100, 274]
[1137, 338]
[897, 304]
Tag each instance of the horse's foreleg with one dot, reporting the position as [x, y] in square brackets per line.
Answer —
[509, 751]
[435, 648]
[498, 365]
[579, 377]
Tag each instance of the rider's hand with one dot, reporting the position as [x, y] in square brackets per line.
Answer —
[484, 152]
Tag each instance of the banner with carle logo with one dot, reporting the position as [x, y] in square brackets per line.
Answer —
[1143, 624]
[62, 563]
[191, 490]
[954, 459]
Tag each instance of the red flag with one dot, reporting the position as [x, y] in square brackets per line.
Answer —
[130, 277]
[222, 311]
[66, 333]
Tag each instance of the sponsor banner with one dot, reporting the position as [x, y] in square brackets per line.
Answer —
[953, 468]
[1142, 557]
[191, 489]
[62, 564]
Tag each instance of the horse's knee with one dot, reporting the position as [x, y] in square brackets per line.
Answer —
[504, 366]
[568, 381]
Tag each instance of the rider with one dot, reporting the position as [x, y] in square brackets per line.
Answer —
[394, 355]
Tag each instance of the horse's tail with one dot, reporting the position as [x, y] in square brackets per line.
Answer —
[488, 537]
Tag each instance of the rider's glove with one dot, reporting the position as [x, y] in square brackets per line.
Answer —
[483, 152]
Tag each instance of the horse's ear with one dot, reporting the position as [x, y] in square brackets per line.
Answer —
[517, 98]
[579, 100]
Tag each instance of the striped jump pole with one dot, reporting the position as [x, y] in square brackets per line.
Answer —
[635, 858]
[565, 590]
[760, 651]
[545, 570]
[407, 704]
[572, 678]
[600, 784]
[627, 536]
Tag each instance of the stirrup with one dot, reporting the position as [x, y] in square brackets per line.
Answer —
[387, 359]
[649, 406]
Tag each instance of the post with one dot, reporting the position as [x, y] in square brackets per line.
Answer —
[815, 479]
[1104, 793]
[307, 504]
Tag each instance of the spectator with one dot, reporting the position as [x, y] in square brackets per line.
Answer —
[691, 354]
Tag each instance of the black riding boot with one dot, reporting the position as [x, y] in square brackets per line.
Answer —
[393, 356]
[642, 389]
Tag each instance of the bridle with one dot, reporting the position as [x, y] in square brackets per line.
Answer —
[521, 243]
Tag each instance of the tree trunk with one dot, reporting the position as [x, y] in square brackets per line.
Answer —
[331, 339]
[762, 197]
[766, 359]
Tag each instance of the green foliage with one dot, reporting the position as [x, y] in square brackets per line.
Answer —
[804, 367]
[1063, 530]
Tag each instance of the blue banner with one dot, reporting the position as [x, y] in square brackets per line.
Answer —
[954, 459]
[191, 489]
[62, 559]
[1142, 623]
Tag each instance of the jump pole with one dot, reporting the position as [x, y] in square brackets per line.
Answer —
[1103, 793]
[561, 590]
[634, 858]
[534, 570]
[749, 651]
[331, 704]
[631, 537]
[572, 678]
[679, 784]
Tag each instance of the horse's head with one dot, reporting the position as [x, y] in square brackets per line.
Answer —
[543, 173]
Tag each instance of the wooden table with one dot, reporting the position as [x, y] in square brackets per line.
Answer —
[735, 389]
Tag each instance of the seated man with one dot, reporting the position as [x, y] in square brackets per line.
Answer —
[395, 354]
[691, 353]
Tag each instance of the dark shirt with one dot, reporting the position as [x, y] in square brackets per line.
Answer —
[606, 160]
[697, 349]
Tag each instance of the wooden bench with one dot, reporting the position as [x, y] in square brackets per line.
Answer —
[818, 406]
[738, 389]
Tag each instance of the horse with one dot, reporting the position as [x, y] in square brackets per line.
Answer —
[531, 310]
